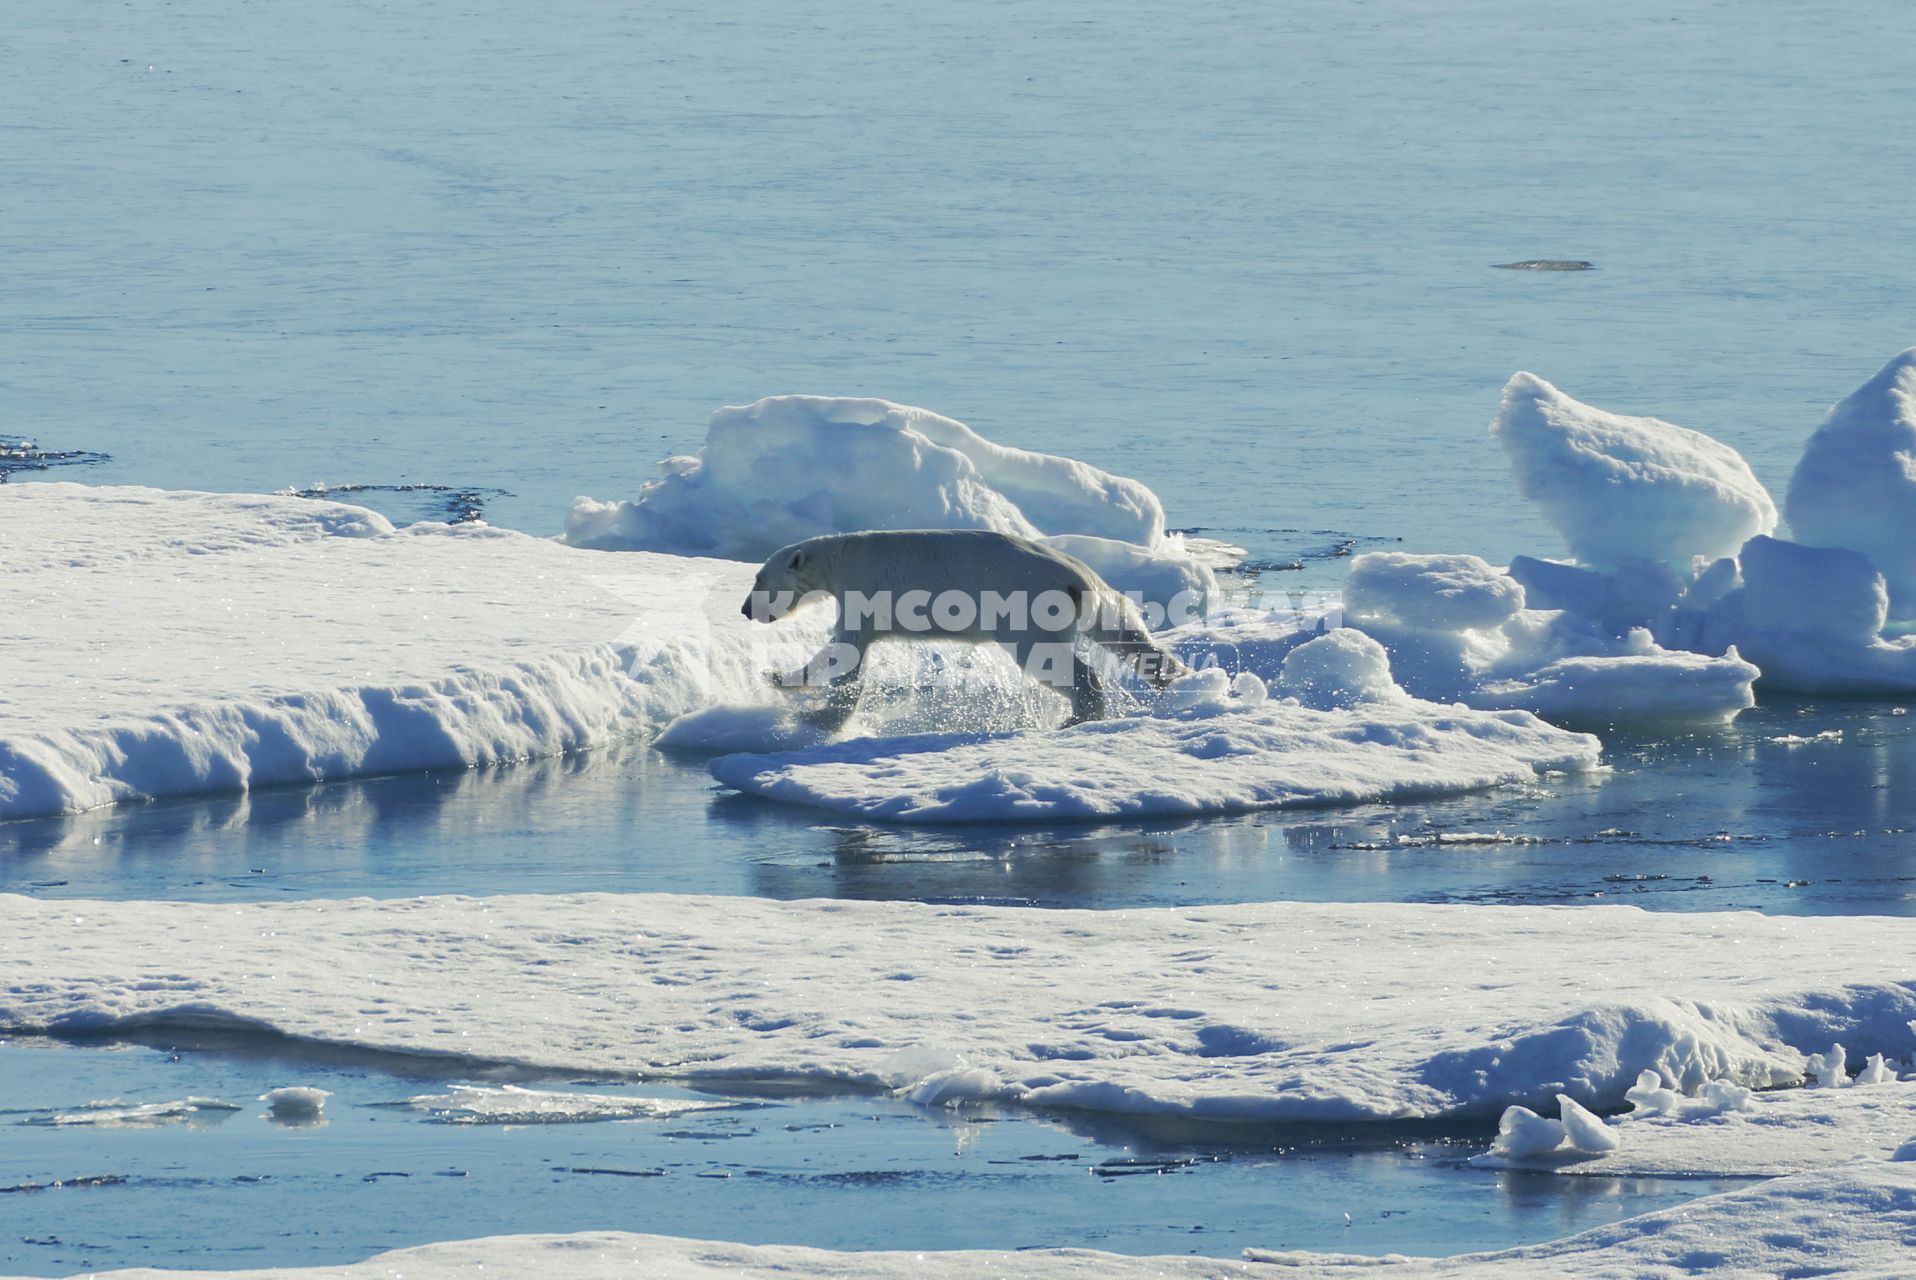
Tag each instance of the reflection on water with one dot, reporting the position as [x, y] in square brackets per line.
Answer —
[1761, 814]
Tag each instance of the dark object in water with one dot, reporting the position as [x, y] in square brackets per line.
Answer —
[1546, 264]
[24, 455]
[456, 504]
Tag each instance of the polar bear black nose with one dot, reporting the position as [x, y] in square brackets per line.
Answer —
[746, 608]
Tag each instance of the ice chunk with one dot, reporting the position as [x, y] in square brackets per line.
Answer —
[1619, 487]
[1522, 1133]
[1649, 1097]
[468, 1104]
[1827, 592]
[1585, 1131]
[790, 467]
[1443, 592]
[1829, 1069]
[1875, 1071]
[295, 1104]
[1855, 485]
[1342, 668]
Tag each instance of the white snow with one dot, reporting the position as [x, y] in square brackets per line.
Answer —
[1262, 1011]
[791, 467]
[167, 643]
[1621, 488]
[1855, 485]
[1347, 734]
[1854, 1223]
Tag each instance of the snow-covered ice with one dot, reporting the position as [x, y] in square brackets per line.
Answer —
[168, 643]
[1854, 1223]
[1730, 1132]
[791, 467]
[1263, 1011]
[1620, 488]
[1345, 734]
[1855, 485]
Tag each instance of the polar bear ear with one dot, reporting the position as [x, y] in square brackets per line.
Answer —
[798, 558]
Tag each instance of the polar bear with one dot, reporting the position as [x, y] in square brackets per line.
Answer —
[957, 584]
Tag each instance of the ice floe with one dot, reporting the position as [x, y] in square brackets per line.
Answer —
[472, 1104]
[1269, 1011]
[1853, 1223]
[160, 643]
[1345, 734]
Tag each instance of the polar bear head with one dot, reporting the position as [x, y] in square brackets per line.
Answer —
[793, 576]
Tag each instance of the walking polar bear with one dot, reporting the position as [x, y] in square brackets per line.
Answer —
[957, 584]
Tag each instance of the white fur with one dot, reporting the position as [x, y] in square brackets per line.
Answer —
[896, 564]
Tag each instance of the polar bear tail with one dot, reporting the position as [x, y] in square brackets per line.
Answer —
[1120, 631]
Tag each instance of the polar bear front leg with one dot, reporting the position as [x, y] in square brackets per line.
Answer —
[1090, 699]
[839, 669]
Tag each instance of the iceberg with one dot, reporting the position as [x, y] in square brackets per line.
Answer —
[1855, 486]
[792, 467]
[1621, 488]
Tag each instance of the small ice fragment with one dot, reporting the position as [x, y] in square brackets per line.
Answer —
[1725, 1096]
[1649, 1097]
[1250, 690]
[1905, 1152]
[1830, 1069]
[1587, 1132]
[1875, 1071]
[296, 1103]
[1522, 1132]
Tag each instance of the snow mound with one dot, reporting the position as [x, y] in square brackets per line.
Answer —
[1256, 1012]
[1339, 669]
[793, 467]
[1436, 593]
[1855, 485]
[1356, 738]
[1620, 488]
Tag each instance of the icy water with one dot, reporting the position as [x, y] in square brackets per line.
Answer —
[1796, 808]
[482, 261]
[89, 1185]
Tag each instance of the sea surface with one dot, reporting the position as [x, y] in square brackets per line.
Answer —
[484, 258]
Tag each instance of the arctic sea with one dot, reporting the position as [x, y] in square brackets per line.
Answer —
[1248, 254]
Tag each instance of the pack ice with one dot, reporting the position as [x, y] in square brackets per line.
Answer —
[1678, 594]
[164, 643]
